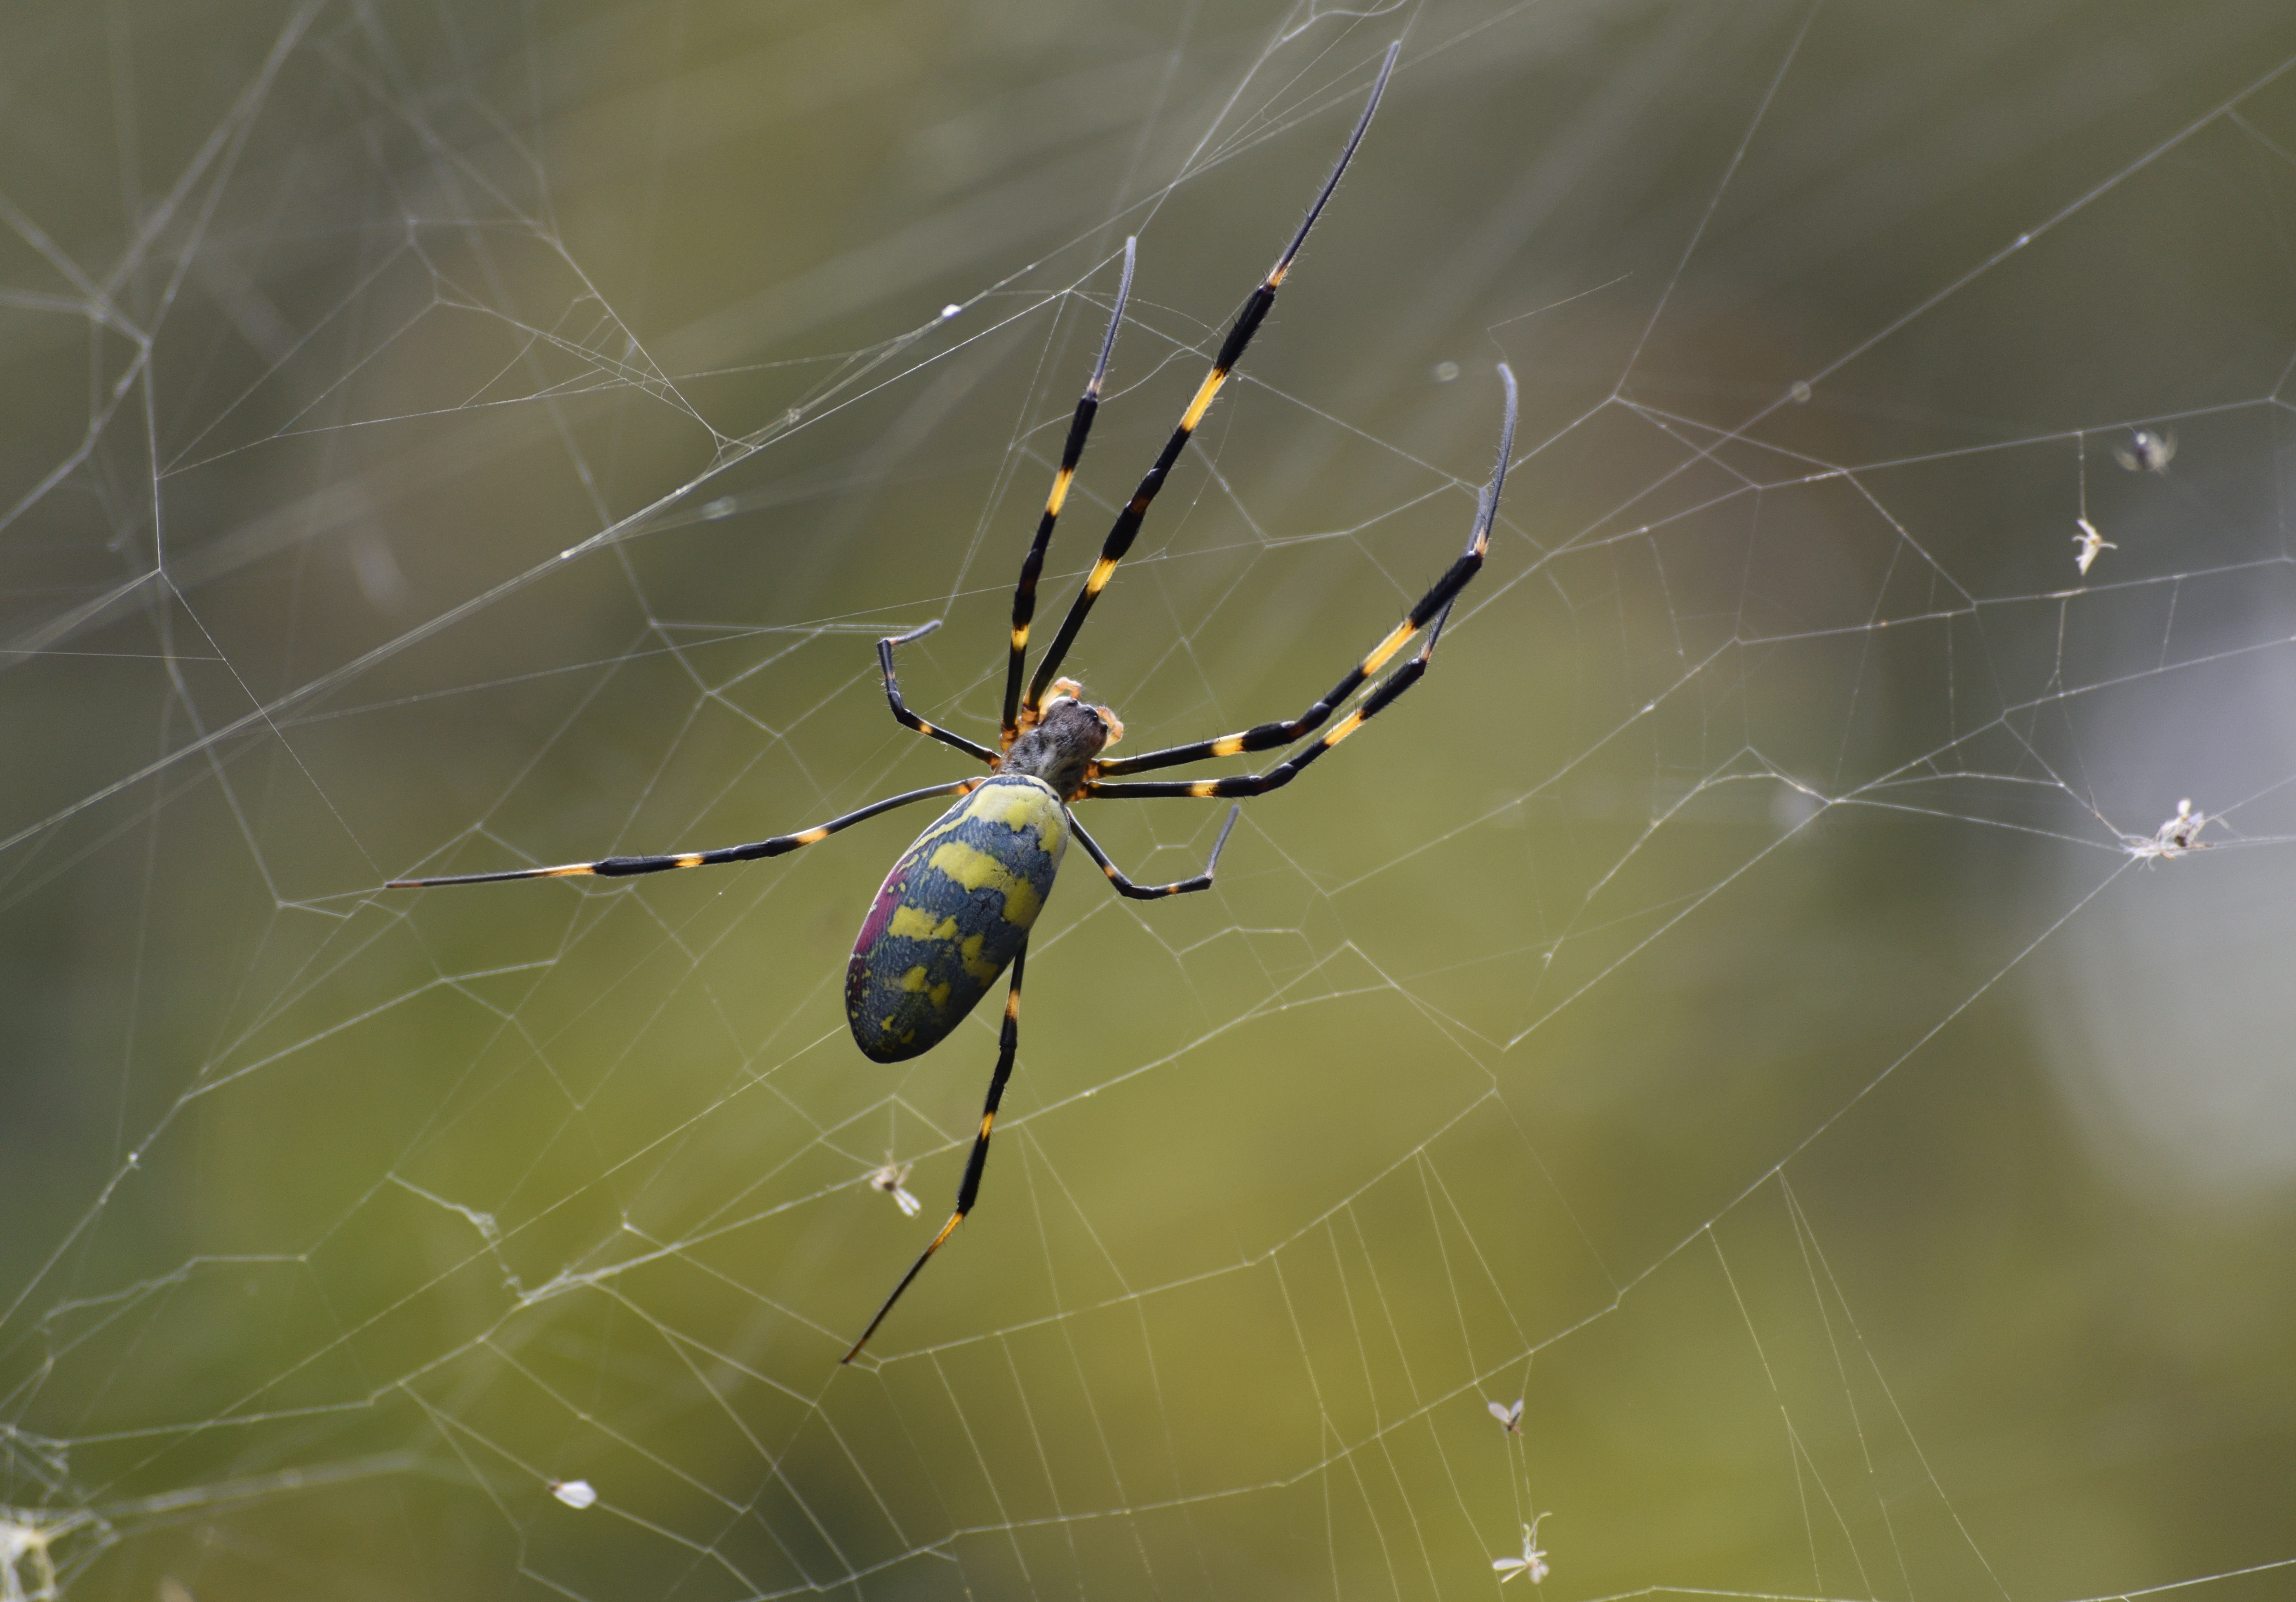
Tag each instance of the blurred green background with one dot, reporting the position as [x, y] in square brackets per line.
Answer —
[1718, 1006]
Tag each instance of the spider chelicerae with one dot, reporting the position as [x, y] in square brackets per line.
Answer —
[957, 907]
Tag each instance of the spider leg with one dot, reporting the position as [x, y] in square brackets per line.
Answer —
[1125, 887]
[1283, 773]
[1126, 525]
[969, 1189]
[1024, 594]
[624, 867]
[1432, 607]
[900, 707]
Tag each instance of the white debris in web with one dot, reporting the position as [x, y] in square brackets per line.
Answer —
[2090, 542]
[574, 1493]
[1533, 1561]
[2175, 838]
[2148, 450]
[892, 1180]
[28, 1537]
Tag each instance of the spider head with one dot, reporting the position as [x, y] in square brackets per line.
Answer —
[1059, 746]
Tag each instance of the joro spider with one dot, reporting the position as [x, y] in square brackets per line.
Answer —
[956, 909]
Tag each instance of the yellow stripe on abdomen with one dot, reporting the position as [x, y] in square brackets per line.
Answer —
[1019, 807]
[914, 924]
[978, 870]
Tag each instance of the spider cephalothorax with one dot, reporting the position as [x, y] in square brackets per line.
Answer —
[1059, 744]
[956, 910]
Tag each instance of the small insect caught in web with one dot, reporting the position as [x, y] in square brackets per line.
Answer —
[2175, 838]
[1533, 1561]
[574, 1493]
[2147, 450]
[892, 1180]
[2090, 542]
[1512, 1416]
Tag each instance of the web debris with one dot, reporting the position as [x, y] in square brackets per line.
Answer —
[892, 1181]
[2147, 450]
[2179, 835]
[1533, 1561]
[28, 1539]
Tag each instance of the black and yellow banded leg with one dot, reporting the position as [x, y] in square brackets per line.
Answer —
[901, 708]
[969, 1189]
[1127, 526]
[1283, 773]
[1267, 737]
[624, 867]
[1024, 594]
[1125, 887]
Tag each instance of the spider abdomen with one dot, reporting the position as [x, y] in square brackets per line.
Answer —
[951, 914]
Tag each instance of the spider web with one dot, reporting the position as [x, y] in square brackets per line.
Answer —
[1795, 996]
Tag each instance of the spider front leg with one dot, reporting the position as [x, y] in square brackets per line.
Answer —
[1183, 886]
[1024, 593]
[900, 707]
[1286, 771]
[1431, 607]
[1127, 526]
[968, 1191]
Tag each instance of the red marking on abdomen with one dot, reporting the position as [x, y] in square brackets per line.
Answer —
[881, 910]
